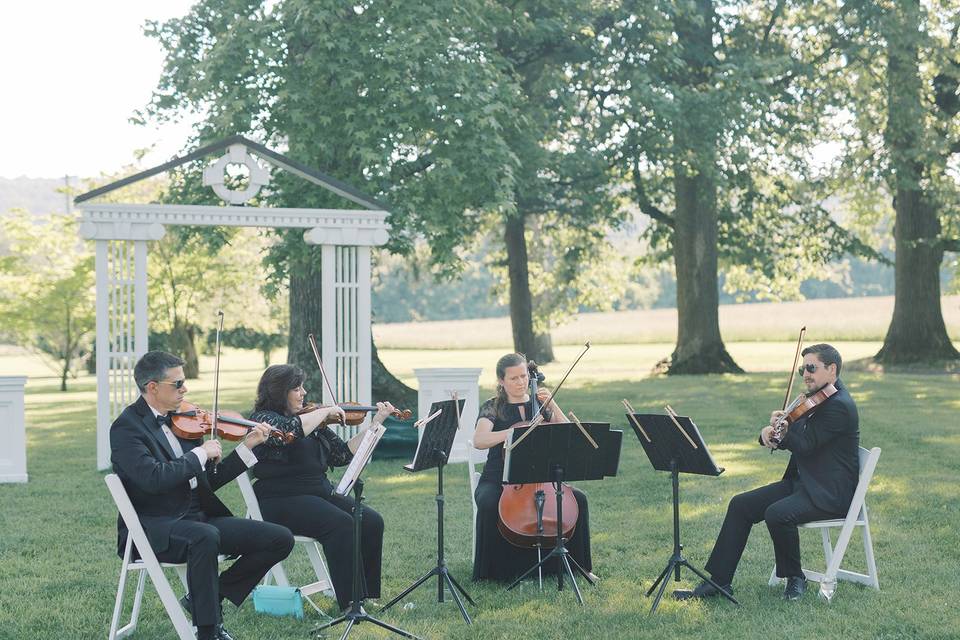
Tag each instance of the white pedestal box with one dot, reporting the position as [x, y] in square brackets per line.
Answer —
[13, 435]
[436, 385]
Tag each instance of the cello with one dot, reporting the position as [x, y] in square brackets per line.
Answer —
[526, 519]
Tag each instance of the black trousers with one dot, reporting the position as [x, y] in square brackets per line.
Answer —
[197, 540]
[782, 505]
[330, 521]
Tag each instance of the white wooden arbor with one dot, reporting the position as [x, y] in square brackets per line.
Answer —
[122, 233]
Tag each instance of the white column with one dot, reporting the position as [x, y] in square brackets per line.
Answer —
[13, 434]
[103, 356]
[438, 384]
[328, 316]
[363, 322]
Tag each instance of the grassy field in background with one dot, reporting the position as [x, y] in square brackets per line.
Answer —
[844, 319]
[58, 567]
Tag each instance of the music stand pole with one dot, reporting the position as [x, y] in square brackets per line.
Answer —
[559, 550]
[356, 613]
[444, 578]
[677, 560]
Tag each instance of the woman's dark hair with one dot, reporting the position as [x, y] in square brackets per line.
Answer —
[275, 383]
[509, 360]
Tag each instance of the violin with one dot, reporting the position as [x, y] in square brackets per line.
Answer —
[526, 518]
[355, 413]
[802, 407]
[190, 422]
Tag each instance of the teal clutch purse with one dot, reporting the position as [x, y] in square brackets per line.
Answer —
[278, 601]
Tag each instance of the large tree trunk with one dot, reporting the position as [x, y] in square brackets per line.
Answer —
[521, 301]
[183, 343]
[387, 387]
[699, 347]
[305, 285]
[917, 332]
[305, 298]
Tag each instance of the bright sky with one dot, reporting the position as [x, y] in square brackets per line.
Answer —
[71, 75]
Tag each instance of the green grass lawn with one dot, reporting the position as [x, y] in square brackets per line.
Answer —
[58, 567]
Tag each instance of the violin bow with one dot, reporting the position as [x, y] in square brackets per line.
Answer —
[216, 382]
[793, 369]
[538, 417]
[323, 374]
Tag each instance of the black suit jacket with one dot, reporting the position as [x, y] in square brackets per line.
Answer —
[825, 451]
[158, 482]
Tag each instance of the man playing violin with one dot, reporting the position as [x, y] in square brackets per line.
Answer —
[818, 483]
[171, 483]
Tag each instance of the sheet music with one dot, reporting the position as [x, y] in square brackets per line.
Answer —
[371, 437]
[421, 424]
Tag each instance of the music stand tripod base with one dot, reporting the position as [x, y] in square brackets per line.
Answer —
[444, 578]
[356, 613]
[677, 560]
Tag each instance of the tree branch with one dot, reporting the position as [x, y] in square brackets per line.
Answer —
[643, 201]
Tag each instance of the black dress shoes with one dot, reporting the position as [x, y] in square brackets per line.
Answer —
[795, 588]
[222, 633]
[702, 590]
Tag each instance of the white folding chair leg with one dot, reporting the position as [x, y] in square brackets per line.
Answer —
[279, 575]
[874, 579]
[115, 630]
[182, 574]
[827, 546]
[774, 580]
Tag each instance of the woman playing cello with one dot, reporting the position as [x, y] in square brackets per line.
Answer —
[496, 558]
[292, 485]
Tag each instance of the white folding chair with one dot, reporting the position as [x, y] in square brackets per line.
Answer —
[474, 475]
[147, 564]
[323, 583]
[833, 555]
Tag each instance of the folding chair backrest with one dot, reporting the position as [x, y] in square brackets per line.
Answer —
[472, 462]
[130, 517]
[868, 463]
[249, 497]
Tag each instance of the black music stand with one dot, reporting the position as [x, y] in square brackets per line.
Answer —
[674, 444]
[433, 451]
[356, 613]
[555, 453]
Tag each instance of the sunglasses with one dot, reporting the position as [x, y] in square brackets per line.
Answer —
[809, 368]
[176, 383]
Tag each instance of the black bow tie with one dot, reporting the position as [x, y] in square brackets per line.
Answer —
[163, 420]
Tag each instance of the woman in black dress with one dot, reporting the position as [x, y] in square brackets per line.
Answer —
[292, 485]
[496, 558]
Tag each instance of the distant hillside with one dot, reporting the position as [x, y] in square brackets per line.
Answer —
[36, 195]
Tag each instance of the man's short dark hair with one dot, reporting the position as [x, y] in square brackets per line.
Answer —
[153, 366]
[827, 354]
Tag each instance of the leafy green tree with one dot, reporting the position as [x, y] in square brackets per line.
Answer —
[904, 75]
[453, 111]
[710, 110]
[192, 277]
[47, 289]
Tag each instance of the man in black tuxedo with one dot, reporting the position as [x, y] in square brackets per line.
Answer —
[818, 484]
[171, 483]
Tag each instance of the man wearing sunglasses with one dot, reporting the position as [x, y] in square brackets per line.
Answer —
[171, 483]
[818, 483]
